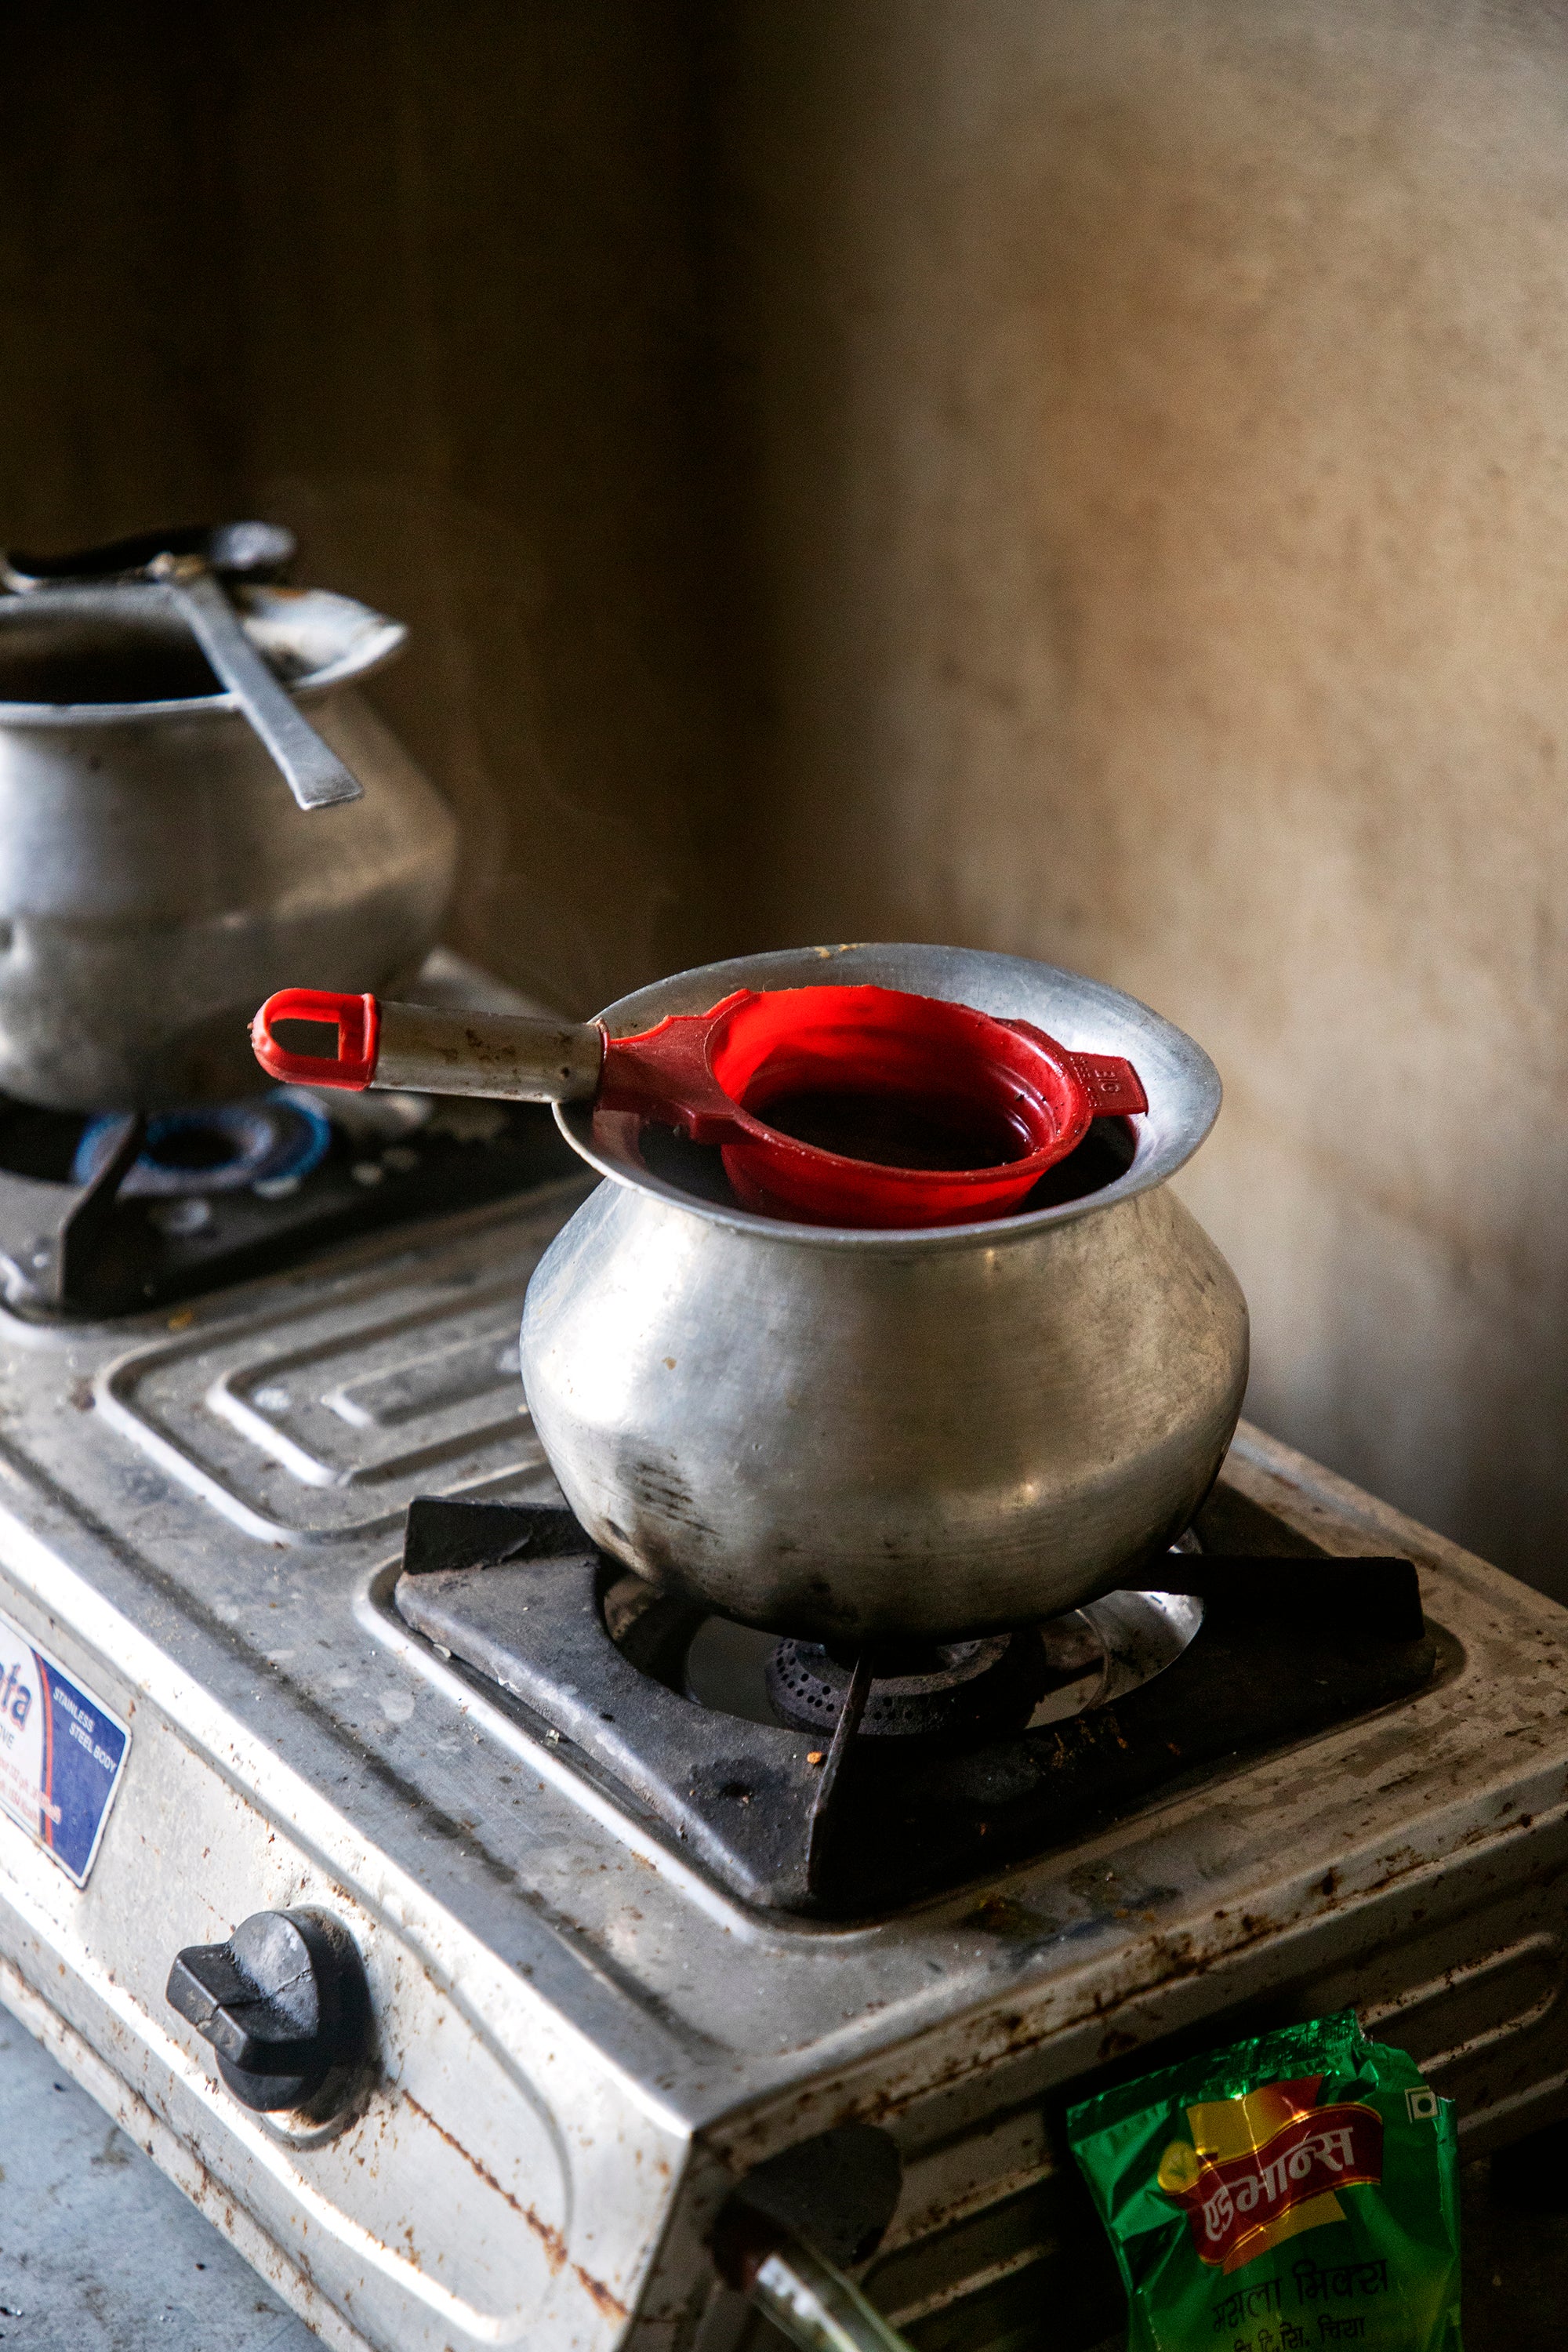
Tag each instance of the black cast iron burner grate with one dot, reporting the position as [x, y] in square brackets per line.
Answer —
[848, 1826]
[121, 1214]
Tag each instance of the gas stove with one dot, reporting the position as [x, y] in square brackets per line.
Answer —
[596, 2002]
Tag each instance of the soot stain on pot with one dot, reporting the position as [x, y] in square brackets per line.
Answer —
[656, 1483]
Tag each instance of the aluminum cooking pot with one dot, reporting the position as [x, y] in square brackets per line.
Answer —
[155, 877]
[845, 1432]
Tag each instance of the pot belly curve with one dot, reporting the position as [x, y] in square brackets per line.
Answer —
[156, 882]
[840, 1440]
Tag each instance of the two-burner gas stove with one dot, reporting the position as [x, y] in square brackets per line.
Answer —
[633, 1917]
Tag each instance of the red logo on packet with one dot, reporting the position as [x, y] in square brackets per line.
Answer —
[1264, 2168]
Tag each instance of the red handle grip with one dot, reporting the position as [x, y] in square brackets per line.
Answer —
[357, 1020]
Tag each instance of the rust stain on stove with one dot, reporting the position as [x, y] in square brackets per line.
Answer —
[610, 2304]
[1012, 2034]
[549, 2237]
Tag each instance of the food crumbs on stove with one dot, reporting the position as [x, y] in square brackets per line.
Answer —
[816, 1756]
[184, 1319]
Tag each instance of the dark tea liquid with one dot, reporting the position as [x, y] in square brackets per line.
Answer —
[897, 1130]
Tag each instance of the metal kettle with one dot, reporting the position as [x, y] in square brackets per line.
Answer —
[155, 877]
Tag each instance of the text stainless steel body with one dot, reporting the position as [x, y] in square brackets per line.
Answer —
[157, 880]
[847, 1432]
[580, 2040]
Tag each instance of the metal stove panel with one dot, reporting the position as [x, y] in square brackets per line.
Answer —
[507, 2121]
[321, 1422]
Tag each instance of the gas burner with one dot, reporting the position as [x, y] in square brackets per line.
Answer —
[271, 1144]
[678, 1713]
[919, 1690]
[954, 1691]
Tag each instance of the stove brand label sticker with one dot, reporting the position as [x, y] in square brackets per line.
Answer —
[61, 1754]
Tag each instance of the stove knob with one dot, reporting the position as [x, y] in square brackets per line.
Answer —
[283, 2003]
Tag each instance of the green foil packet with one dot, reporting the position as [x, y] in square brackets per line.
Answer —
[1301, 2189]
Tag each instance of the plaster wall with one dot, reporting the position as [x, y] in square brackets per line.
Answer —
[1160, 459]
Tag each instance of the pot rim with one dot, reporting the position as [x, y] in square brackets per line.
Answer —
[368, 641]
[1086, 1015]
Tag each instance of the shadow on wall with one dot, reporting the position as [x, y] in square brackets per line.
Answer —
[425, 284]
[1160, 463]
[1091, 481]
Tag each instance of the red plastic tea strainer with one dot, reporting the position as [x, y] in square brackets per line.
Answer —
[836, 1106]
